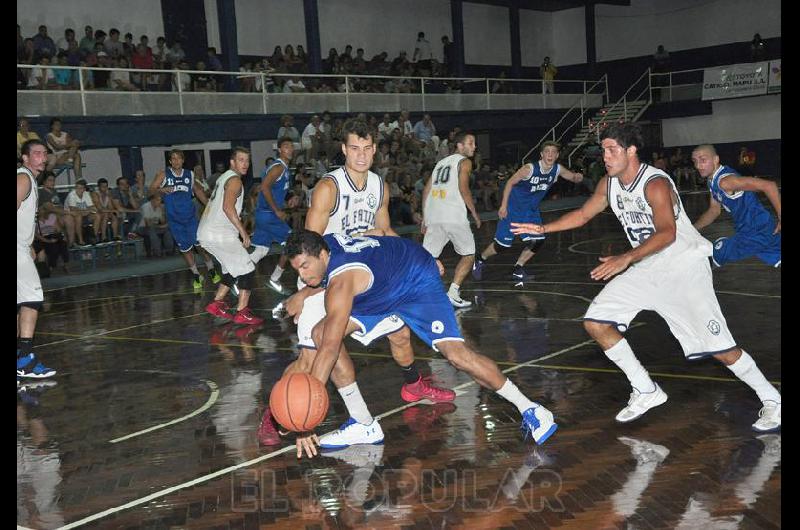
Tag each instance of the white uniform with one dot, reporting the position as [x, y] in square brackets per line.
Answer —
[354, 211]
[29, 287]
[675, 282]
[219, 236]
[445, 211]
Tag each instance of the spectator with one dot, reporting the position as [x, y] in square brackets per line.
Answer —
[758, 49]
[42, 77]
[486, 186]
[100, 37]
[65, 78]
[74, 55]
[160, 52]
[113, 47]
[145, 41]
[63, 44]
[43, 44]
[20, 42]
[449, 54]
[182, 81]
[108, 213]
[659, 161]
[548, 72]
[50, 204]
[79, 205]
[126, 205]
[212, 61]
[425, 132]
[128, 47]
[385, 127]
[153, 228]
[24, 134]
[28, 54]
[276, 59]
[359, 63]
[422, 53]
[176, 55]
[49, 240]
[203, 82]
[219, 169]
[141, 60]
[102, 77]
[87, 42]
[64, 147]
[312, 138]
[331, 64]
[287, 128]
[399, 64]
[139, 187]
[346, 60]
[293, 85]
[302, 58]
[121, 79]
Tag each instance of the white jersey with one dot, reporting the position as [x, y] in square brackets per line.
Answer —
[636, 216]
[26, 214]
[215, 225]
[355, 209]
[444, 203]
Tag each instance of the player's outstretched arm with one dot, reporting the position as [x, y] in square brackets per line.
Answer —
[574, 219]
[572, 176]
[733, 183]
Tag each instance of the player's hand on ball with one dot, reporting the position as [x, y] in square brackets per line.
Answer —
[307, 442]
[526, 228]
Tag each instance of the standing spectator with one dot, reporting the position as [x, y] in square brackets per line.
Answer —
[153, 228]
[287, 128]
[758, 49]
[74, 55]
[43, 44]
[276, 59]
[548, 72]
[161, 51]
[331, 64]
[312, 138]
[182, 81]
[359, 63]
[87, 42]
[63, 44]
[660, 68]
[128, 47]
[215, 65]
[64, 147]
[449, 54]
[219, 169]
[422, 53]
[114, 48]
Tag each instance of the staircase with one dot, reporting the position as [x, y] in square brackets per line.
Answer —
[630, 111]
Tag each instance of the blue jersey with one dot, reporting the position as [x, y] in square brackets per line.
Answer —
[179, 203]
[749, 215]
[402, 270]
[529, 192]
[278, 189]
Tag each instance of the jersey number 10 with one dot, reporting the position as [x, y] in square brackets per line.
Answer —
[442, 175]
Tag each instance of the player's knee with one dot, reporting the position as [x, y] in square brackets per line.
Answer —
[596, 329]
[246, 281]
[227, 280]
[316, 333]
[457, 354]
[401, 337]
[498, 248]
[533, 245]
[304, 361]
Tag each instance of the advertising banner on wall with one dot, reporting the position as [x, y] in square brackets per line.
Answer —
[735, 81]
[774, 77]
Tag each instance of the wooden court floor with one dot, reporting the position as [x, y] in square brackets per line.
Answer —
[152, 420]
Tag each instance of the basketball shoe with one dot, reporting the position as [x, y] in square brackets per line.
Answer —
[29, 366]
[268, 430]
[276, 286]
[520, 274]
[197, 283]
[423, 389]
[639, 403]
[477, 269]
[644, 451]
[538, 423]
[456, 300]
[219, 308]
[245, 316]
[769, 417]
[350, 433]
[213, 276]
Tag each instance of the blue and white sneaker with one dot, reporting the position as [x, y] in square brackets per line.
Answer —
[350, 433]
[28, 366]
[477, 270]
[538, 422]
[519, 273]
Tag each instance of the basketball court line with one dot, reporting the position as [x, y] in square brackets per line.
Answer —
[588, 300]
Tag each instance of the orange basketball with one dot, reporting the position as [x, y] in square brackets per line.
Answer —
[299, 402]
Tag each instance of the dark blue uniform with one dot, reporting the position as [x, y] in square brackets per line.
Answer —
[269, 227]
[405, 283]
[523, 203]
[180, 210]
[753, 223]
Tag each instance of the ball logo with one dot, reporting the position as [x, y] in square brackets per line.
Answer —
[437, 327]
[718, 244]
[640, 204]
[713, 327]
[372, 201]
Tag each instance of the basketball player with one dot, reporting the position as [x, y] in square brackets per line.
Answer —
[445, 201]
[667, 272]
[522, 195]
[29, 287]
[178, 186]
[368, 278]
[351, 200]
[271, 226]
[757, 233]
[220, 231]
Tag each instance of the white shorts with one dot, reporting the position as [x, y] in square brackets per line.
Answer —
[232, 256]
[314, 311]
[683, 296]
[29, 287]
[439, 234]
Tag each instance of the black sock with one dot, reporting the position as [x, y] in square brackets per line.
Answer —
[479, 258]
[25, 346]
[410, 373]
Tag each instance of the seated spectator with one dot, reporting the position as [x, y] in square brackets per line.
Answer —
[43, 44]
[102, 77]
[65, 77]
[399, 64]
[128, 47]
[219, 169]
[175, 54]
[487, 188]
[287, 128]
[108, 213]
[425, 132]
[126, 205]
[63, 43]
[121, 79]
[74, 56]
[312, 138]
[203, 82]
[24, 134]
[87, 42]
[144, 61]
[113, 47]
[64, 147]
[50, 204]
[139, 187]
[79, 205]
[330, 65]
[294, 84]
[42, 77]
[49, 240]
[302, 58]
[153, 228]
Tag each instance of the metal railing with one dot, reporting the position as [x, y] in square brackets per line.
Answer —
[151, 91]
[680, 85]
[576, 113]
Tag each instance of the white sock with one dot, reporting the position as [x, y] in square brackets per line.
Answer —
[746, 370]
[622, 355]
[194, 269]
[355, 404]
[259, 253]
[455, 289]
[276, 274]
[510, 392]
[209, 265]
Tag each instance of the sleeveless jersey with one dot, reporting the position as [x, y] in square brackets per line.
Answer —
[529, 192]
[444, 203]
[355, 208]
[279, 188]
[747, 211]
[401, 270]
[179, 202]
[26, 214]
[215, 224]
[636, 216]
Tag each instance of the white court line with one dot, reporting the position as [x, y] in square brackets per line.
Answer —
[527, 291]
[750, 294]
[288, 448]
[598, 284]
[605, 239]
[121, 329]
[208, 404]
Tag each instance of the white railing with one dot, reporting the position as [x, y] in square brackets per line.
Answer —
[153, 91]
[576, 113]
[680, 85]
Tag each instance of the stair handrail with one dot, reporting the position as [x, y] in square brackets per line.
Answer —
[578, 104]
[623, 101]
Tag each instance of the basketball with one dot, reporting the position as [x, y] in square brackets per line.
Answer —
[299, 402]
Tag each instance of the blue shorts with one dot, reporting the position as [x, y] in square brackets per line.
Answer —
[503, 235]
[432, 318]
[184, 230]
[269, 229]
[763, 245]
